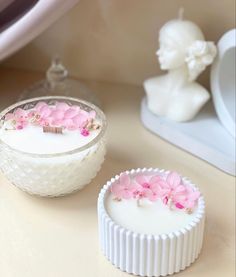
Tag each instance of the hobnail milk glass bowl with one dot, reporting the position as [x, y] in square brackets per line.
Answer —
[57, 174]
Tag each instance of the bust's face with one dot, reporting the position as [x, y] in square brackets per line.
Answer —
[169, 54]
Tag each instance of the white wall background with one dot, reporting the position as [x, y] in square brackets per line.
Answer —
[115, 40]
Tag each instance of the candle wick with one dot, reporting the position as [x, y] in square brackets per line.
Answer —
[169, 203]
[181, 13]
[138, 202]
[55, 130]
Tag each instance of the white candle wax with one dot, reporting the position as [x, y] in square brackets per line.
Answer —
[32, 139]
[152, 218]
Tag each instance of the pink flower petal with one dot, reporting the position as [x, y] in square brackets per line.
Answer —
[189, 204]
[57, 114]
[19, 127]
[173, 179]
[92, 114]
[70, 113]
[84, 132]
[124, 179]
[31, 114]
[45, 111]
[20, 113]
[154, 186]
[155, 179]
[80, 120]
[77, 108]
[62, 106]
[180, 189]
[134, 186]
[116, 189]
[163, 184]
[57, 122]
[179, 206]
[84, 113]
[179, 198]
[67, 122]
[46, 121]
[24, 123]
[9, 116]
[151, 195]
[194, 195]
[164, 191]
[165, 200]
[39, 105]
[126, 194]
[72, 127]
[141, 179]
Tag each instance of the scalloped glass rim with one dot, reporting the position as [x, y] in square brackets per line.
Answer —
[98, 111]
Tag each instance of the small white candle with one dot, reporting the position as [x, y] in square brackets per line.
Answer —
[46, 163]
[151, 221]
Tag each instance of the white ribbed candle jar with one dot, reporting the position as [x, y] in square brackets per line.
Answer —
[149, 255]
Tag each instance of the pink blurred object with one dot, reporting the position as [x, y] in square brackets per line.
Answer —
[21, 21]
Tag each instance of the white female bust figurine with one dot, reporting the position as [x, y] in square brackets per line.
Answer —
[185, 54]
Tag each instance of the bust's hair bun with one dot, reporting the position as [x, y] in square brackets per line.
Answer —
[199, 55]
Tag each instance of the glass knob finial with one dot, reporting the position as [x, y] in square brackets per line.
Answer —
[58, 82]
[56, 73]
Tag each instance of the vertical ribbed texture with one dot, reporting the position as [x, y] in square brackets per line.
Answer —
[179, 251]
[116, 246]
[157, 256]
[172, 254]
[142, 255]
[149, 255]
[136, 251]
[129, 251]
[122, 253]
[165, 255]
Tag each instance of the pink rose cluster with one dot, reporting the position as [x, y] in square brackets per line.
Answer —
[59, 115]
[170, 189]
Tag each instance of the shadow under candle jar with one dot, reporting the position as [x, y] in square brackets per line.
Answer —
[52, 164]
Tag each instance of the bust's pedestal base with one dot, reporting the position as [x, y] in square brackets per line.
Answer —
[203, 137]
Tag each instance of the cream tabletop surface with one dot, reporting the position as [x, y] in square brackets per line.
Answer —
[58, 237]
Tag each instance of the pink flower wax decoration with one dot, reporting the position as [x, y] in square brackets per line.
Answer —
[18, 119]
[124, 189]
[170, 189]
[59, 115]
[147, 187]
